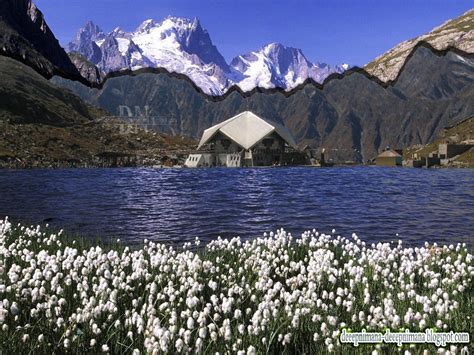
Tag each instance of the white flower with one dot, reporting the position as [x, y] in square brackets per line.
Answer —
[14, 309]
[286, 338]
[251, 350]
[202, 332]
[165, 293]
[190, 323]
[237, 314]
[179, 344]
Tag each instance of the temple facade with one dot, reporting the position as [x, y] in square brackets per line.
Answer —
[246, 140]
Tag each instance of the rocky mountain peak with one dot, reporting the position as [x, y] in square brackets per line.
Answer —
[186, 33]
[276, 47]
[196, 40]
[182, 45]
[284, 57]
[93, 30]
[277, 65]
[36, 16]
[458, 33]
[85, 36]
[145, 26]
[87, 69]
[26, 36]
[119, 32]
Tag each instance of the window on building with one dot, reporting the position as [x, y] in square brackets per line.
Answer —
[268, 142]
[225, 143]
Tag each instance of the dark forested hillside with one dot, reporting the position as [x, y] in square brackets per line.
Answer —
[354, 116]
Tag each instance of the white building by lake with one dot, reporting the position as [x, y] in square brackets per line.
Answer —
[246, 140]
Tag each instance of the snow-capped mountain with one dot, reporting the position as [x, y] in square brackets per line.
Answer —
[278, 66]
[176, 44]
[182, 46]
[321, 71]
[90, 32]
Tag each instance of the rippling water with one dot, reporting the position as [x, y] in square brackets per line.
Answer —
[178, 204]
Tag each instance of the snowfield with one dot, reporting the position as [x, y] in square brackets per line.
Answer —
[275, 294]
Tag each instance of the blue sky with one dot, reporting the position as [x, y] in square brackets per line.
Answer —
[331, 31]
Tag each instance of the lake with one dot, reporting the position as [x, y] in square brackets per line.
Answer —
[177, 205]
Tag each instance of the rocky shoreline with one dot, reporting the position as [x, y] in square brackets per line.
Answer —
[103, 160]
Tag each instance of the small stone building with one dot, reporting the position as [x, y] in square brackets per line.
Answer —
[389, 157]
[447, 150]
[246, 140]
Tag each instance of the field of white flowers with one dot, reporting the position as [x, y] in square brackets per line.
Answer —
[275, 294]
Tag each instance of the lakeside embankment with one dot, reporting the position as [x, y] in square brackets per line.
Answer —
[107, 161]
[275, 294]
[166, 160]
[453, 148]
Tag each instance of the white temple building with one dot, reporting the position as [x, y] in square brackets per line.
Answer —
[246, 140]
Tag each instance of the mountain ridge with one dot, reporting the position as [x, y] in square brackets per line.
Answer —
[84, 72]
[457, 32]
[264, 70]
[42, 125]
[25, 36]
[287, 93]
[277, 65]
[182, 45]
[353, 114]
